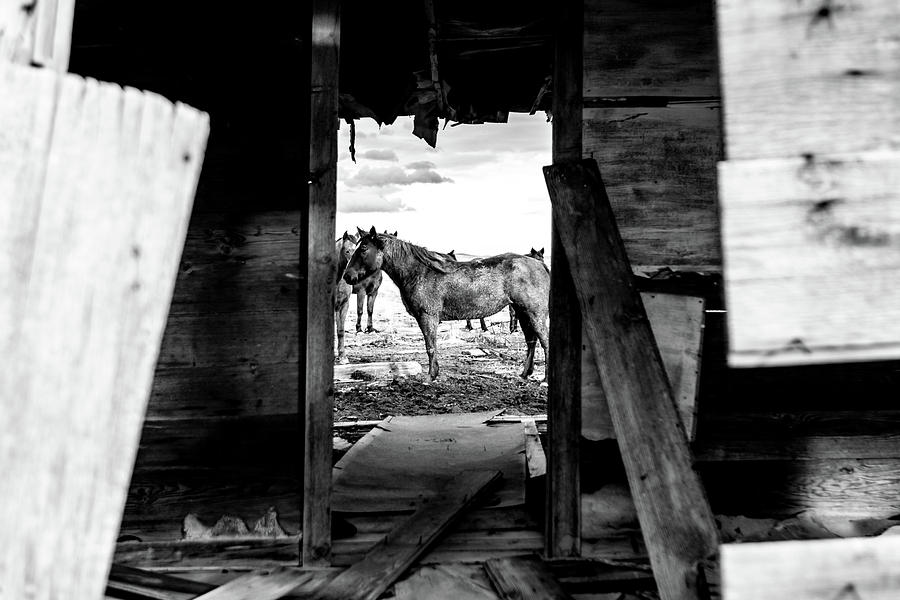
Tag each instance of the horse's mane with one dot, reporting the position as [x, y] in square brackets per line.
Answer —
[435, 260]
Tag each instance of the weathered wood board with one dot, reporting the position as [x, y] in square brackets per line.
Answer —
[651, 438]
[376, 370]
[524, 578]
[640, 48]
[98, 184]
[37, 33]
[843, 569]
[659, 166]
[828, 80]
[811, 246]
[677, 325]
[387, 560]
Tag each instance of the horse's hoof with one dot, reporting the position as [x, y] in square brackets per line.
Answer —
[371, 330]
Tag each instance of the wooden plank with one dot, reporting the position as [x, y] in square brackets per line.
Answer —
[563, 517]
[128, 591]
[638, 48]
[106, 225]
[53, 34]
[535, 460]
[376, 370]
[321, 276]
[369, 578]
[828, 81]
[524, 578]
[675, 518]
[677, 325]
[842, 569]
[785, 223]
[260, 585]
[457, 581]
[121, 574]
[39, 33]
[659, 165]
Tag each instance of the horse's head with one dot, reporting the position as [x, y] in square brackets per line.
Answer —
[366, 259]
[538, 254]
[345, 250]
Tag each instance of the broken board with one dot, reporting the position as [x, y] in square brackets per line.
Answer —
[405, 459]
[97, 184]
[677, 324]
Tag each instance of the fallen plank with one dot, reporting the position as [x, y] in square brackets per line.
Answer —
[534, 450]
[524, 578]
[98, 183]
[260, 585]
[121, 574]
[369, 578]
[456, 581]
[675, 517]
[841, 569]
[376, 370]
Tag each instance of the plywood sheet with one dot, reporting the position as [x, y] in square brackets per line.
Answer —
[405, 459]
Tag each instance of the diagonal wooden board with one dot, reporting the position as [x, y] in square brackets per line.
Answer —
[97, 185]
[677, 324]
[405, 459]
[387, 560]
[260, 585]
[524, 578]
[676, 521]
[839, 569]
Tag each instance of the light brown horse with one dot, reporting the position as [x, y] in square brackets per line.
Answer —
[434, 287]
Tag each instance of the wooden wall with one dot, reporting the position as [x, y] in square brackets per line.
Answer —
[652, 122]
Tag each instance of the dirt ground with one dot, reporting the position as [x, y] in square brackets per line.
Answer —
[478, 370]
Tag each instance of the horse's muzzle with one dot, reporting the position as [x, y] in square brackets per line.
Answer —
[350, 278]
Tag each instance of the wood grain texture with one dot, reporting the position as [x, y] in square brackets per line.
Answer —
[828, 81]
[563, 513]
[811, 252]
[524, 578]
[38, 33]
[659, 165]
[677, 325]
[671, 504]
[535, 459]
[89, 264]
[384, 563]
[321, 274]
[638, 48]
[842, 569]
[260, 585]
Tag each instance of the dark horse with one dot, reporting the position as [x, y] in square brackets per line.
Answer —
[513, 323]
[434, 287]
[366, 291]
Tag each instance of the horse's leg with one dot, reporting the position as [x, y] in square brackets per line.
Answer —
[483, 325]
[340, 315]
[530, 340]
[429, 324]
[360, 297]
[540, 328]
[468, 325]
[513, 324]
[370, 308]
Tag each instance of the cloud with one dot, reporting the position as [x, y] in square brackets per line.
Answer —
[395, 175]
[385, 154]
[420, 165]
[371, 204]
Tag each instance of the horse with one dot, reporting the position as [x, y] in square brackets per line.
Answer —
[484, 327]
[537, 255]
[343, 248]
[366, 291]
[434, 287]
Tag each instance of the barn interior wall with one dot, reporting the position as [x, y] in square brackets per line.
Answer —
[221, 435]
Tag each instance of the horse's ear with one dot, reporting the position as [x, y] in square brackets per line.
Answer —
[372, 232]
[347, 236]
[361, 232]
[395, 233]
[541, 252]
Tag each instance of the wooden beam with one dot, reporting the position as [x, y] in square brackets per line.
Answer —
[321, 276]
[390, 558]
[97, 186]
[675, 517]
[535, 459]
[120, 574]
[788, 222]
[563, 522]
[524, 578]
[840, 569]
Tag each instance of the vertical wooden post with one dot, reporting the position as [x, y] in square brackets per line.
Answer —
[321, 272]
[563, 523]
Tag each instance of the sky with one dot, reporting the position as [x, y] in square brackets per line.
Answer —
[480, 192]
